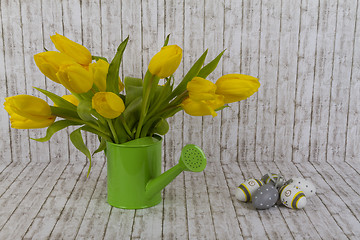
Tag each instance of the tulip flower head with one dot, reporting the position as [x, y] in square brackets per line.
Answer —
[74, 50]
[108, 104]
[75, 78]
[201, 89]
[28, 112]
[236, 87]
[202, 108]
[49, 63]
[100, 70]
[165, 62]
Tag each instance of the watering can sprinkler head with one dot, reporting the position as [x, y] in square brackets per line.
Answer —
[192, 159]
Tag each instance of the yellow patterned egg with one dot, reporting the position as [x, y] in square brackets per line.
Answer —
[292, 197]
[305, 185]
[245, 191]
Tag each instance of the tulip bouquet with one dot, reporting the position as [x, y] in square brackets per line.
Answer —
[98, 104]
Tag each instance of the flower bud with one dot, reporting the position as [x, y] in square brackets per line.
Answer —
[202, 108]
[165, 62]
[201, 89]
[108, 104]
[236, 87]
[49, 63]
[28, 112]
[74, 50]
[100, 70]
[75, 78]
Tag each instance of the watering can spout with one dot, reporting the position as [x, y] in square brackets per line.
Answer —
[192, 159]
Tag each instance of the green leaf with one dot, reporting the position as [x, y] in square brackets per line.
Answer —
[59, 101]
[193, 72]
[210, 67]
[132, 112]
[167, 40]
[64, 112]
[101, 147]
[121, 132]
[92, 130]
[97, 58]
[112, 78]
[133, 89]
[55, 127]
[78, 142]
[84, 110]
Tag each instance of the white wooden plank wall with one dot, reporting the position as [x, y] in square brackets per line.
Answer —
[306, 54]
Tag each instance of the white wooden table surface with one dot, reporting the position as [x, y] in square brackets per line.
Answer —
[55, 200]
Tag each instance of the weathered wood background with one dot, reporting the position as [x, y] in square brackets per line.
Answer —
[305, 53]
[304, 121]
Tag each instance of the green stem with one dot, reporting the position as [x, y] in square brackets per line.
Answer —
[113, 130]
[126, 127]
[179, 98]
[144, 106]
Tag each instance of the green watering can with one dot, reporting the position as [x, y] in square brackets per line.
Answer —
[134, 178]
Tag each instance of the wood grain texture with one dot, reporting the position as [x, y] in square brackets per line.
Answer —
[303, 122]
[15, 70]
[249, 65]
[322, 80]
[304, 82]
[268, 70]
[5, 135]
[286, 80]
[305, 55]
[343, 55]
[352, 150]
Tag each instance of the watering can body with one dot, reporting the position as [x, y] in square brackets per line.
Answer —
[134, 171]
[130, 166]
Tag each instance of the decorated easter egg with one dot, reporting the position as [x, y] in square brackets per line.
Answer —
[265, 196]
[292, 197]
[279, 180]
[305, 185]
[245, 191]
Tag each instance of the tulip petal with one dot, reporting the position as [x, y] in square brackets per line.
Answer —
[28, 106]
[74, 50]
[236, 87]
[166, 61]
[108, 104]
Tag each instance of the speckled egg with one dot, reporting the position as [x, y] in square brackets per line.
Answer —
[265, 196]
[245, 191]
[292, 197]
[305, 185]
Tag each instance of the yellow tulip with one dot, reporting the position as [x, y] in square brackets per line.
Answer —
[75, 78]
[71, 98]
[201, 89]
[28, 112]
[74, 50]
[165, 62]
[202, 108]
[236, 87]
[100, 70]
[20, 122]
[49, 63]
[108, 104]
